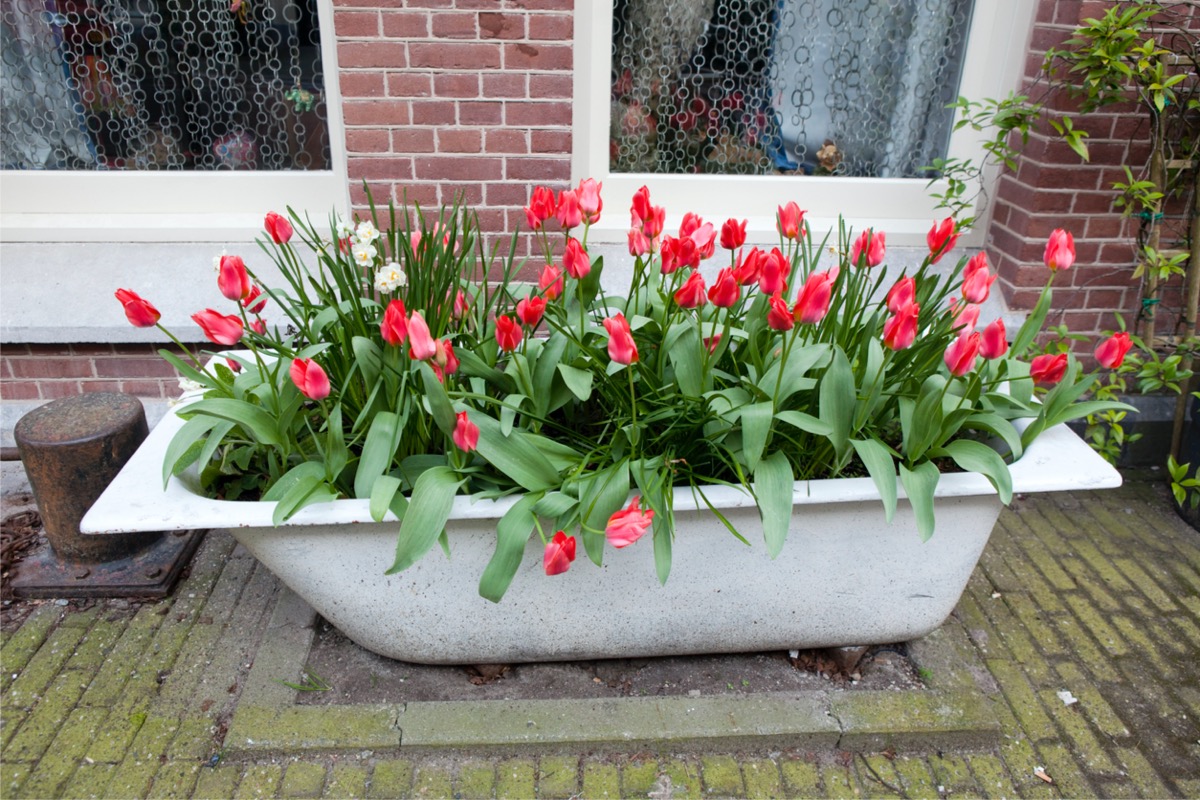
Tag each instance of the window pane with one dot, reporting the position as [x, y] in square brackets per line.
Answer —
[161, 84]
[845, 87]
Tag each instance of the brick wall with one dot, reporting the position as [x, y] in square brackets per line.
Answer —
[1052, 188]
[32, 372]
[456, 97]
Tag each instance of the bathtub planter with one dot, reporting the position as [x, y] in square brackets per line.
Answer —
[845, 576]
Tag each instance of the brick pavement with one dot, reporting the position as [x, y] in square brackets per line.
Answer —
[1097, 594]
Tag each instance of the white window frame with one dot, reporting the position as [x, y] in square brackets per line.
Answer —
[994, 61]
[176, 206]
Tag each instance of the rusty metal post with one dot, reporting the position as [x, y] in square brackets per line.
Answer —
[72, 449]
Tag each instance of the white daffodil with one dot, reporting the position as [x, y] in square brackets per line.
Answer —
[366, 232]
[363, 254]
[390, 277]
[217, 260]
[344, 229]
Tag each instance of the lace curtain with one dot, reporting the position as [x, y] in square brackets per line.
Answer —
[846, 87]
[161, 84]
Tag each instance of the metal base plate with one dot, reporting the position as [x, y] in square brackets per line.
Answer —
[150, 573]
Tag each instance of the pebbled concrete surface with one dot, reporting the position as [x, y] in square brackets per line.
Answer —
[1096, 594]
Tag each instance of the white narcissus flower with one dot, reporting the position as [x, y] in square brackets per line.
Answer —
[217, 261]
[390, 277]
[366, 232]
[363, 254]
[344, 229]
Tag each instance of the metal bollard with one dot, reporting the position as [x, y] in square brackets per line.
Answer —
[72, 449]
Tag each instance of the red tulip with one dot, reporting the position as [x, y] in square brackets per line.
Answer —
[1049, 368]
[960, 355]
[654, 224]
[711, 343]
[1060, 250]
[995, 340]
[259, 326]
[693, 293]
[530, 310]
[900, 331]
[748, 266]
[621, 346]
[725, 292]
[779, 316]
[508, 333]
[966, 315]
[310, 379]
[540, 208]
[901, 294]
[560, 552]
[700, 232]
[461, 306]
[870, 244]
[977, 284]
[421, 345]
[628, 525]
[1111, 352]
[772, 272]
[466, 433]
[444, 358]
[639, 245]
[977, 262]
[576, 260]
[249, 303]
[590, 203]
[941, 239]
[568, 213]
[232, 278]
[219, 328]
[813, 302]
[278, 227]
[394, 327]
[790, 221]
[641, 210]
[139, 312]
[733, 234]
[550, 282]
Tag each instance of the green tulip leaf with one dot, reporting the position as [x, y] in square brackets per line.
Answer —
[881, 466]
[428, 510]
[512, 534]
[773, 484]
[920, 483]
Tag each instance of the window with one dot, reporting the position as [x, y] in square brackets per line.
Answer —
[837, 104]
[144, 115]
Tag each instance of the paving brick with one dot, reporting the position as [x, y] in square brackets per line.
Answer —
[1146, 584]
[92, 652]
[763, 779]
[475, 780]
[90, 780]
[558, 776]
[721, 776]
[391, 779]
[56, 766]
[432, 780]
[991, 775]
[639, 777]
[1191, 632]
[983, 634]
[120, 727]
[262, 780]
[42, 668]
[839, 782]
[1040, 555]
[1069, 779]
[801, 777]
[1145, 648]
[679, 778]
[951, 775]
[81, 618]
[304, 780]
[43, 723]
[1018, 640]
[11, 778]
[1022, 700]
[349, 782]
[916, 779]
[131, 778]
[1091, 702]
[1100, 564]
[1142, 775]
[1095, 622]
[1081, 738]
[108, 684]
[194, 740]
[600, 779]
[1086, 579]
[1036, 619]
[877, 776]
[176, 779]
[22, 644]
[218, 781]
[1086, 651]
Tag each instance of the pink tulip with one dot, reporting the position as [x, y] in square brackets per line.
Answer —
[1110, 353]
[870, 244]
[444, 359]
[560, 552]
[139, 312]
[219, 328]
[1060, 250]
[1049, 368]
[249, 303]
[693, 293]
[621, 346]
[977, 284]
[966, 315]
[232, 278]
[960, 355]
[733, 234]
[901, 294]
[654, 224]
[550, 282]
[310, 379]
[639, 245]
[772, 272]
[421, 345]
[641, 210]
[628, 525]
[568, 213]
[790, 221]
[466, 433]
[995, 340]
[259, 326]
[540, 208]
[278, 228]
[530, 310]
[900, 331]
[394, 327]
[941, 239]
[508, 333]
[590, 203]
[813, 302]
[779, 316]
[576, 260]
[725, 291]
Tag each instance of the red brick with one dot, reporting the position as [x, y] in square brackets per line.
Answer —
[1080, 321]
[551, 27]
[434, 112]
[102, 386]
[1116, 253]
[52, 390]
[502, 26]
[133, 367]
[356, 23]
[1068, 178]
[459, 141]
[361, 84]
[1101, 277]
[540, 56]
[456, 84]
[507, 140]
[480, 113]
[551, 87]
[147, 388]
[368, 140]
[1131, 127]
[413, 140]
[454, 25]
[458, 169]
[95, 349]
[551, 142]
[423, 194]
[372, 169]
[1105, 227]
[470, 194]
[504, 85]
[1094, 203]
[1106, 299]
[431, 3]
[531, 114]
[456, 55]
[51, 368]
[540, 5]
[376, 112]
[507, 194]
[405, 25]
[538, 169]
[409, 84]
[370, 4]
[19, 390]
[390, 55]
